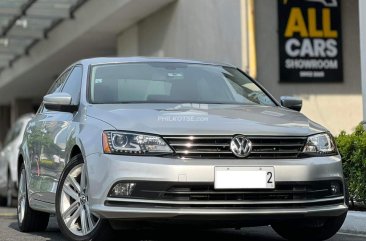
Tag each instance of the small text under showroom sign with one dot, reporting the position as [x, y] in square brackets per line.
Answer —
[310, 41]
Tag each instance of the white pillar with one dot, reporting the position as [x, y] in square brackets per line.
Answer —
[362, 16]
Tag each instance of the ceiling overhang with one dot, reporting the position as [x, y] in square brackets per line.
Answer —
[45, 36]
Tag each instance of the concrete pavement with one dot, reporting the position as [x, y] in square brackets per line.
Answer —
[353, 230]
[355, 223]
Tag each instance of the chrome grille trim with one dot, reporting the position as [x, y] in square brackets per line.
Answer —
[198, 137]
[189, 144]
[218, 147]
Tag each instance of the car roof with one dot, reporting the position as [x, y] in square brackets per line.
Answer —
[111, 60]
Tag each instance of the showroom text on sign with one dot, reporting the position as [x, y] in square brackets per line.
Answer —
[310, 46]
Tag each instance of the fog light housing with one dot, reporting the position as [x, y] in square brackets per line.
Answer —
[122, 189]
[335, 188]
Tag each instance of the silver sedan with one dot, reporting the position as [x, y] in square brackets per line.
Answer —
[9, 161]
[125, 142]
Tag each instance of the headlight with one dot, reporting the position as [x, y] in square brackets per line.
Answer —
[322, 144]
[117, 142]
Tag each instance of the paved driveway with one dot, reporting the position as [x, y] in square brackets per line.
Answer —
[353, 230]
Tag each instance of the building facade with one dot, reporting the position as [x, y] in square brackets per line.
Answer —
[241, 32]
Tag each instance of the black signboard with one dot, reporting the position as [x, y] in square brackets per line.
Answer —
[310, 41]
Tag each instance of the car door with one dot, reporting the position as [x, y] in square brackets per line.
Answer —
[58, 127]
[39, 143]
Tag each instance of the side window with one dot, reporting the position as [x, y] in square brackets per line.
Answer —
[56, 87]
[73, 84]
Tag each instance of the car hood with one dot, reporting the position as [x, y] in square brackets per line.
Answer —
[203, 119]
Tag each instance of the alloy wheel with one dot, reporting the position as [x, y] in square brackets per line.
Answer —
[74, 203]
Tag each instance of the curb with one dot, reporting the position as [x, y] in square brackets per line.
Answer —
[8, 215]
[355, 223]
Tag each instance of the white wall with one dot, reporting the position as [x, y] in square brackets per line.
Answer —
[128, 42]
[198, 29]
[362, 13]
[336, 106]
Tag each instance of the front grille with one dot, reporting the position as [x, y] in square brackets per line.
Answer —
[264, 147]
[286, 194]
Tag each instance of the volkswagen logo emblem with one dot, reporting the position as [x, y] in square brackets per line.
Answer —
[240, 146]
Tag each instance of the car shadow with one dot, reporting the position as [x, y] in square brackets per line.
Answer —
[51, 234]
[195, 235]
[246, 234]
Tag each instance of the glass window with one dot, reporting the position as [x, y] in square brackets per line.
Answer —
[162, 82]
[55, 88]
[73, 84]
[57, 85]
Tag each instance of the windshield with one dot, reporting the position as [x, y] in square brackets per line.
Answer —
[162, 82]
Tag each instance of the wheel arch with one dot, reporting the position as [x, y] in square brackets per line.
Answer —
[75, 150]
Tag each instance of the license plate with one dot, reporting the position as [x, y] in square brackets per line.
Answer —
[244, 178]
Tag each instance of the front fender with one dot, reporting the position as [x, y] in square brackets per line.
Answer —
[87, 136]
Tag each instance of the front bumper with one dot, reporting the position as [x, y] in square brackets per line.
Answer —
[218, 214]
[105, 170]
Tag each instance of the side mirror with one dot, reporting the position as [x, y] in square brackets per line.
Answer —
[59, 102]
[293, 103]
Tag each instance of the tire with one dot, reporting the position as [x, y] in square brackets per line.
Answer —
[315, 230]
[29, 220]
[72, 206]
[346, 194]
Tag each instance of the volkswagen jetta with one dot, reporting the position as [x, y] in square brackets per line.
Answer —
[122, 141]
